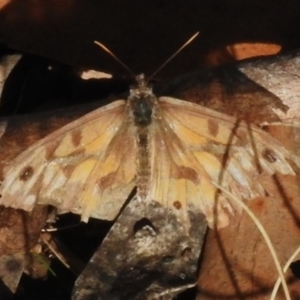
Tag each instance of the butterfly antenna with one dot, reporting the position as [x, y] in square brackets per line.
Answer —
[115, 57]
[172, 56]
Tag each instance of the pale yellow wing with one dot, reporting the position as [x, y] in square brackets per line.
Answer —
[86, 167]
[193, 147]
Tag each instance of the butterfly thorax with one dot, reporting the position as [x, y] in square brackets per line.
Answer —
[142, 104]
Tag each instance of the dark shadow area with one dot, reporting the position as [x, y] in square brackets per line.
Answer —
[82, 240]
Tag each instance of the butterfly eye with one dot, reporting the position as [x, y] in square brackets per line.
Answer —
[269, 155]
[177, 204]
[26, 173]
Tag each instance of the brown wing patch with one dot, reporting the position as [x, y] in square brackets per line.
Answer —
[185, 172]
[213, 127]
[76, 138]
[106, 181]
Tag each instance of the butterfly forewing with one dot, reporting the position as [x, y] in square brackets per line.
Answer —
[86, 167]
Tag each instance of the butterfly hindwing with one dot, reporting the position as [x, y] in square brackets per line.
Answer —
[86, 167]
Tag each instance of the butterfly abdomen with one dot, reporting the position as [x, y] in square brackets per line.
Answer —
[143, 162]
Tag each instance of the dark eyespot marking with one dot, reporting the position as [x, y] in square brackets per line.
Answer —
[269, 155]
[177, 204]
[26, 173]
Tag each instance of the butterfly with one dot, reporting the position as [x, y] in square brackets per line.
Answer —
[171, 150]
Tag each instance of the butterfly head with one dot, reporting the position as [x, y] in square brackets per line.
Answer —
[141, 89]
[142, 101]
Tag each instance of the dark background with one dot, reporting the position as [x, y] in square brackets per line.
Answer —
[144, 33]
